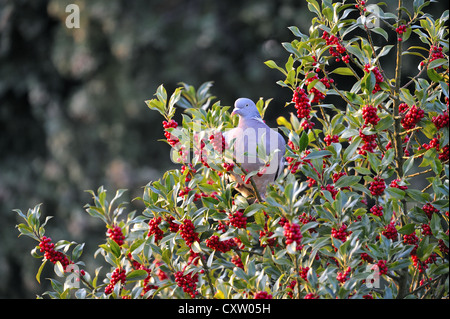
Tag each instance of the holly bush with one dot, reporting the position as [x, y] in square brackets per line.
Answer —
[361, 210]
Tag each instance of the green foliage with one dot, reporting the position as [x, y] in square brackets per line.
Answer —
[351, 185]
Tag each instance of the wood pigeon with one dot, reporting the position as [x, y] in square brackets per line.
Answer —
[252, 137]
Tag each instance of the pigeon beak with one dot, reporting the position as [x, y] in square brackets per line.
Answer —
[235, 112]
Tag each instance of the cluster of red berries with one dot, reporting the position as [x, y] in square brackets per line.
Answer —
[48, 248]
[190, 172]
[333, 190]
[303, 272]
[344, 276]
[154, 229]
[236, 260]
[115, 233]
[435, 53]
[304, 218]
[390, 232]
[291, 286]
[382, 267]
[377, 210]
[429, 210]
[188, 282]
[360, 4]
[184, 191]
[187, 232]
[378, 77]
[302, 103]
[400, 30]
[422, 265]
[426, 230]
[342, 233]
[311, 295]
[443, 247]
[445, 154]
[440, 121]
[412, 117]
[138, 266]
[161, 274]
[118, 275]
[377, 187]
[223, 246]
[317, 95]
[337, 176]
[228, 166]
[173, 227]
[262, 295]
[170, 138]
[307, 124]
[218, 142]
[395, 184]
[434, 143]
[410, 239]
[331, 139]
[269, 241]
[237, 219]
[369, 142]
[336, 48]
[292, 234]
[369, 114]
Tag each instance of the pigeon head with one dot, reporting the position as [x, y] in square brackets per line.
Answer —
[245, 108]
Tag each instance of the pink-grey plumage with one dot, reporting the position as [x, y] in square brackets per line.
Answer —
[250, 132]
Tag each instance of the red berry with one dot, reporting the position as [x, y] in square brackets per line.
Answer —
[340, 233]
[48, 248]
[236, 260]
[262, 295]
[412, 117]
[118, 275]
[343, 276]
[187, 231]
[390, 232]
[382, 267]
[302, 104]
[154, 229]
[429, 209]
[187, 282]
[292, 234]
[441, 121]
[223, 246]
[115, 233]
[237, 219]
[436, 53]
[377, 187]
[426, 230]
[377, 210]
[378, 77]
[370, 115]
[331, 139]
[395, 184]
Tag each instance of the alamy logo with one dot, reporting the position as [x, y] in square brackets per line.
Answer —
[373, 19]
[73, 19]
[253, 146]
[373, 280]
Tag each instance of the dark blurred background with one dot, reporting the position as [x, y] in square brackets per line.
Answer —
[72, 111]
